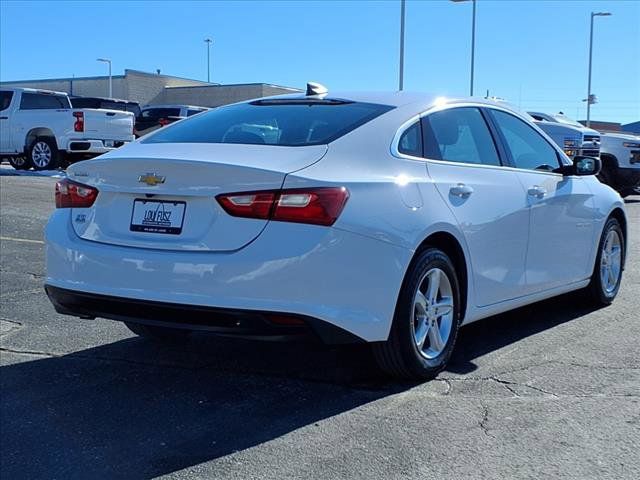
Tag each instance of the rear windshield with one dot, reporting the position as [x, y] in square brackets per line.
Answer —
[273, 122]
[157, 113]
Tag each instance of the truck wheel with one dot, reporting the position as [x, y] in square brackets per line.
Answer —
[20, 163]
[43, 153]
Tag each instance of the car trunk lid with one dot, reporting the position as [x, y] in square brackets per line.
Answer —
[162, 196]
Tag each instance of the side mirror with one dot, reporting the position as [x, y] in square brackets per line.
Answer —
[582, 166]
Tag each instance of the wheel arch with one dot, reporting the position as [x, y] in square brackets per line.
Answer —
[39, 132]
[619, 215]
[609, 158]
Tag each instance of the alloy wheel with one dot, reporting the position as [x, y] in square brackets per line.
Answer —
[433, 309]
[41, 154]
[611, 262]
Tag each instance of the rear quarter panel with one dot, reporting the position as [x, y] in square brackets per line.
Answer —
[391, 199]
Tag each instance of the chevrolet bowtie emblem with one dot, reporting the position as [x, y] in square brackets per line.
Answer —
[151, 179]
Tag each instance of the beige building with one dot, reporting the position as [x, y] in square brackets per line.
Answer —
[151, 88]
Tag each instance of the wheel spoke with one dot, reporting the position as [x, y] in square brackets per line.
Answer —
[443, 307]
[421, 302]
[434, 286]
[421, 332]
[611, 278]
[435, 338]
[615, 256]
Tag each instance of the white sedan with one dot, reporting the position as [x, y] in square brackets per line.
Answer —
[392, 219]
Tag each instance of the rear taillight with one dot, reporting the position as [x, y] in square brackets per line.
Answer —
[78, 126]
[74, 195]
[318, 206]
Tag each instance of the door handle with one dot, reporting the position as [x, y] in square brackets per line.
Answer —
[4, 118]
[537, 191]
[461, 190]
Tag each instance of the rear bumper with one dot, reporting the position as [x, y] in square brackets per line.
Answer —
[243, 323]
[94, 146]
[343, 279]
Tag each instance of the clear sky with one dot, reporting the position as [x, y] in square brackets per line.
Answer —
[532, 53]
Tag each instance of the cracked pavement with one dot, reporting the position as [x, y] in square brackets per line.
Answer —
[549, 390]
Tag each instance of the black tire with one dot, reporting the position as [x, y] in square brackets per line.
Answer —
[400, 356]
[597, 290]
[165, 334]
[43, 153]
[20, 163]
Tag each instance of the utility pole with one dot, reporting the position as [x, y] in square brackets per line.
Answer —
[208, 41]
[401, 72]
[591, 98]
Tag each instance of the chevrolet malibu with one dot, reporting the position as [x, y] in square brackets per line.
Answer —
[392, 219]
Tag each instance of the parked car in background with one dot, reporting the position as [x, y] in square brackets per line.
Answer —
[106, 103]
[41, 129]
[388, 218]
[620, 154]
[153, 117]
[573, 137]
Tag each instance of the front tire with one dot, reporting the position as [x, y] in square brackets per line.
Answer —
[43, 154]
[164, 334]
[426, 321]
[607, 272]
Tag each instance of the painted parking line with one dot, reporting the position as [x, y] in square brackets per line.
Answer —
[22, 240]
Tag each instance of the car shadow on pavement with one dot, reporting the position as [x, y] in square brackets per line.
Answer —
[480, 338]
[134, 408]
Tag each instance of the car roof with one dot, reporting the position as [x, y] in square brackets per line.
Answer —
[410, 101]
[35, 90]
[105, 99]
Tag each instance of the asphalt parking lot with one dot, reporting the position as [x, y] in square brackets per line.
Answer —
[550, 390]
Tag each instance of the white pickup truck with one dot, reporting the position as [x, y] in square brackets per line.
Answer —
[620, 155]
[40, 129]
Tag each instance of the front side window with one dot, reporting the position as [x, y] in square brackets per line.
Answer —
[5, 99]
[459, 135]
[286, 122]
[528, 149]
[42, 101]
[411, 141]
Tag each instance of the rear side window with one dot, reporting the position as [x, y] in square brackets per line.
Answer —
[157, 113]
[459, 135]
[114, 106]
[5, 99]
[193, 111]
[287, 122]
[38, 101]
[529, 150]
[411, 141]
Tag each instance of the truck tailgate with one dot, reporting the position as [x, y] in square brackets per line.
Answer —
[107, 124]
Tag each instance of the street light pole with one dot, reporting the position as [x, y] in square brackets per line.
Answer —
[473, 41]
[401, 68]
[208, 41]
[589, 98]
[106, 60]
[473, 46]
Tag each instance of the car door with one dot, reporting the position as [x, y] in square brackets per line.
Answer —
[5, 119]
[486, 199]
[561, 208]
